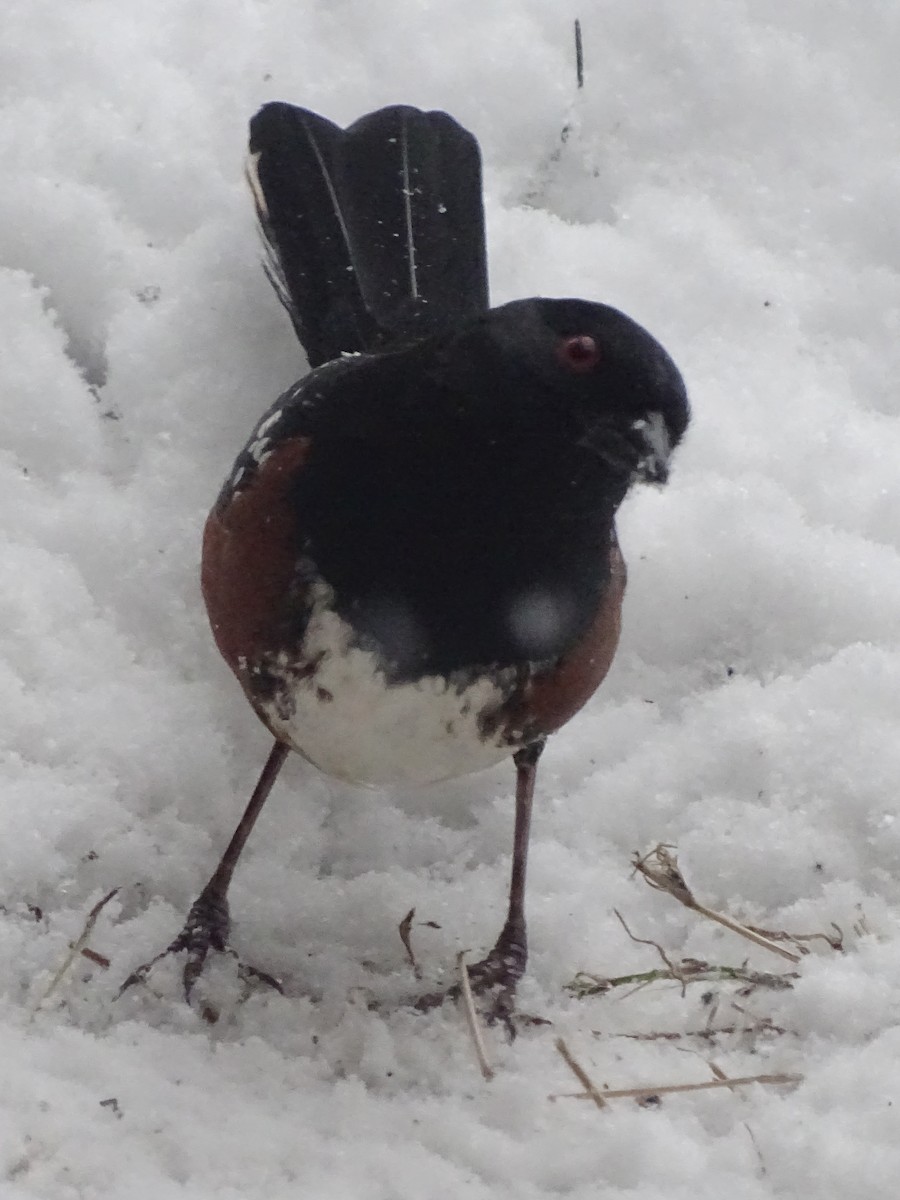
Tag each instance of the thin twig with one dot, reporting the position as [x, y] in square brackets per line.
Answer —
[689, 970]
[660, 870]
[717, 1071]
[546, 173]
[590, 1090]
[670, 1089]
[579, 55]
[405, 929]
[76, 948]
[468, 1007]
[762, 1162]
[706, 1034]
[745, 931]
[835, 941]
[648, 942]
[100, 959]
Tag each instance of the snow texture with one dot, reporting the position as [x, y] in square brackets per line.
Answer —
[730, 179]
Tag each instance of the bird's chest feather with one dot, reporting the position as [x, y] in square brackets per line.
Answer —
[333, 702]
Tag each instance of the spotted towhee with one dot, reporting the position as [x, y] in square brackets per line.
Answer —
[412, 568]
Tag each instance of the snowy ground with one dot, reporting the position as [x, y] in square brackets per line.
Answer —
[733, 183]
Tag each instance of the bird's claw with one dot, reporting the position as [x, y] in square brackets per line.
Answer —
[206, 929]
[494, 981]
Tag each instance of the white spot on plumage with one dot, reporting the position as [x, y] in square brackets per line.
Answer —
[266, 424]
[345, 716]
[252, 174]
[260, 446]
[258, 450]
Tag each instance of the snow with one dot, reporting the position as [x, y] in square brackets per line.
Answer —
[730, 180]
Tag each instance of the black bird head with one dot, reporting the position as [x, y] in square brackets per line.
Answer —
[602, 370]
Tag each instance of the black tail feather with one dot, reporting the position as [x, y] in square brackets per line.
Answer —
[376, 233]
[293, 172]
[414, 211]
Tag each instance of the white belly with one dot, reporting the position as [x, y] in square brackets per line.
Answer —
[346, 718]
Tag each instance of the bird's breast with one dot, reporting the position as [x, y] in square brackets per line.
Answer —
[332, 701]
[393, 642]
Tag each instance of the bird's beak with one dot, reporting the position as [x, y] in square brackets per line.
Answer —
[655, 446]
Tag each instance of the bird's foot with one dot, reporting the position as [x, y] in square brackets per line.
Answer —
[493, 981]
[206, 929]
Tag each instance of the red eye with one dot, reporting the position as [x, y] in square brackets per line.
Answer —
[578, 353]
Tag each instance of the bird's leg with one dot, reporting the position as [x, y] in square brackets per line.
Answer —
[498, 974]
[207, 925]
[500, 971]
